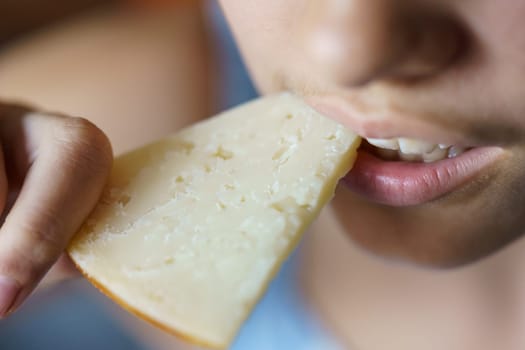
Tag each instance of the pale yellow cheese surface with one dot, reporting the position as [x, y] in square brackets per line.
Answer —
[191, 229]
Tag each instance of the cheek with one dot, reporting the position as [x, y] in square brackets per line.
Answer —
[499, 46]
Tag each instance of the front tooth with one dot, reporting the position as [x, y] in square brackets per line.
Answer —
[384, 143]
[409, 157]
[437, 154]
[412, 146]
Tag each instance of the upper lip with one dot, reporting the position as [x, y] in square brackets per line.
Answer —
[383, 123]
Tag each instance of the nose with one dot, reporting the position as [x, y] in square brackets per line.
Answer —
[359, 41]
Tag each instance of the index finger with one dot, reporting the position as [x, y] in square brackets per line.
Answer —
[67, 161]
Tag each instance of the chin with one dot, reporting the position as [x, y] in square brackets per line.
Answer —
[427, 255]
[428, 236]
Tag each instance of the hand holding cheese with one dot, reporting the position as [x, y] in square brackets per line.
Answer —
[192, 228]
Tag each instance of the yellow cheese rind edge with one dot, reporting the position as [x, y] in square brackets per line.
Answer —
[185, 336]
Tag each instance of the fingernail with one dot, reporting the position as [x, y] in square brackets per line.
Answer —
[9, 289]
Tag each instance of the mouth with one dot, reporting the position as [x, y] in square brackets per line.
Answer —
[407, 171]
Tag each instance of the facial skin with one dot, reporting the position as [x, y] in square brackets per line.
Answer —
[442, 71]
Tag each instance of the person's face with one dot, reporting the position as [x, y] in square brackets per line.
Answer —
[444, 72]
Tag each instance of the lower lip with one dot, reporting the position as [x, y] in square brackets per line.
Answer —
[398, 183]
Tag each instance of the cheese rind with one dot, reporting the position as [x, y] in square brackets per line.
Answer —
[191, 229]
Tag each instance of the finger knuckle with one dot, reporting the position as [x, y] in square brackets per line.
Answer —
[85, 144]
[46, 235]
[40, 236]
[28, 265]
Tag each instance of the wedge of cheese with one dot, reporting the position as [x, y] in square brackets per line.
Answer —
[191, 229]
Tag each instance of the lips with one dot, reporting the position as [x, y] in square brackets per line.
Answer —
[405, 183]
[400, 183]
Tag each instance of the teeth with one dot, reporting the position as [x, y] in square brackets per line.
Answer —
[414, 150]
[410, 157]
[391, 144]
[411, 146]
[437, 154]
